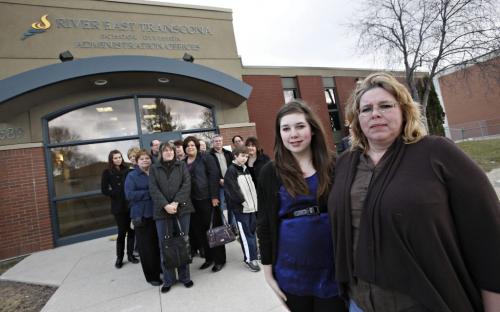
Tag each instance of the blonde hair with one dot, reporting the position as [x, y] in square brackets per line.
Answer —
[413, 126]
[132, 152]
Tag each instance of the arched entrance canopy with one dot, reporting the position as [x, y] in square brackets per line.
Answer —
[31, 80]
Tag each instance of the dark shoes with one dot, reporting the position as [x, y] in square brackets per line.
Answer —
[119, 263]
[166, 289]
[205, 265]
[217, 267]
[133, 259]
[157, 283]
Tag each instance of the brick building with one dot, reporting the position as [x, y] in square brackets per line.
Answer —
[471, 99]
[131, 80]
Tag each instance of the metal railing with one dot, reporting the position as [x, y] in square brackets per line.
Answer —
[475, 129]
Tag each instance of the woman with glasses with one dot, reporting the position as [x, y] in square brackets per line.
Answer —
[416, 222]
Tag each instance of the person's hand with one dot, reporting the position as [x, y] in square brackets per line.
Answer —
[215, 202]
[221, 182]
[171, 208]
[271, 281]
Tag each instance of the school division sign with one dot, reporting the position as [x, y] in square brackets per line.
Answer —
[108, 34]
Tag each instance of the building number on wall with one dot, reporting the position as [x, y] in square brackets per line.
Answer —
[11, 133]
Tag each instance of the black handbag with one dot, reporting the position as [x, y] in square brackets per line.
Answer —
[176, 251]
[220, 235]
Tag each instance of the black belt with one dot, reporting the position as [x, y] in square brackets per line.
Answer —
[309, 211]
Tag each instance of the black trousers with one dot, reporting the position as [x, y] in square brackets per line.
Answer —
[149, 250]
[203, 214]
[315, 304]
[124, 230]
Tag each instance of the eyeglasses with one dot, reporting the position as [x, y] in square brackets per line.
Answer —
[383, 108]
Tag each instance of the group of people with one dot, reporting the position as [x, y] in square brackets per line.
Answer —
[400, 221]
[177, 187]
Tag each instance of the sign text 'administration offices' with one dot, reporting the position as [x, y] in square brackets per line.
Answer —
[124, 34]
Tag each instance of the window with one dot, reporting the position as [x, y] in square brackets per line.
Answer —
[103, 120]
[290, 90]
[165, 115]
[331, 102]
[78, 143]
[77, 169]
[84, 215]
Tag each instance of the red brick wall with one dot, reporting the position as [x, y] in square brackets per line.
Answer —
[25, 225]
[345, 86]
[229, 133]
[472, 95]
[263, 105]
[312, 91]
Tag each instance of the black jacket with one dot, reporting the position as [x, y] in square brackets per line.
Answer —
[112, 185]
[267, 218]
[172, 184]
[261, 160]
[430, 226]
[227, 154]
[204, 178]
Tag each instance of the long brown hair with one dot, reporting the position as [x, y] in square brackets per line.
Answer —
[322, 158]
[111, 165]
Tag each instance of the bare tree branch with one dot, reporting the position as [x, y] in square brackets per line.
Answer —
[428, 35]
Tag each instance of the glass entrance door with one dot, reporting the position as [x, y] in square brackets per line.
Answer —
[77, 144]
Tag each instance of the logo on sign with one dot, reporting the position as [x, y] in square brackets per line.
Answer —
[38, 27]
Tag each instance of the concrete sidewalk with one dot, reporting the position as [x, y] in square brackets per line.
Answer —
[88, 281]
[494, 176]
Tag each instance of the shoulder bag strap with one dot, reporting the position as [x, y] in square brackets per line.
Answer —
[224, 220]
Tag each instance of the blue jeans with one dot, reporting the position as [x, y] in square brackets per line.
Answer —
[162, 225]
[223, 206]
[247, 225]
[353, 307]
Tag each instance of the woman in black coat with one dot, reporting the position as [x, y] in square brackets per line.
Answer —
[170, 189]
[112, 185]
[205, 198]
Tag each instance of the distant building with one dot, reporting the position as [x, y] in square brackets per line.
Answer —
[470, 97]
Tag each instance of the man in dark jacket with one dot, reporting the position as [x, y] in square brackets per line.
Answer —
[223, 159]
[155, 148]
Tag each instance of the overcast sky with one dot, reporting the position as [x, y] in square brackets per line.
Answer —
[294, 32]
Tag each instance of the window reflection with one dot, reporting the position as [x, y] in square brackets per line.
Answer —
[333, 110]
[290, 95]
[78, 169]
[205, 136]
[103, 120]
[165, 115]
[83, 215]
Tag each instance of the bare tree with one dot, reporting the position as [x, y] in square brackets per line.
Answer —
[429, 35]
[163, 119]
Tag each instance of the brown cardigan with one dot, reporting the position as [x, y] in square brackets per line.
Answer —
[430, 226]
